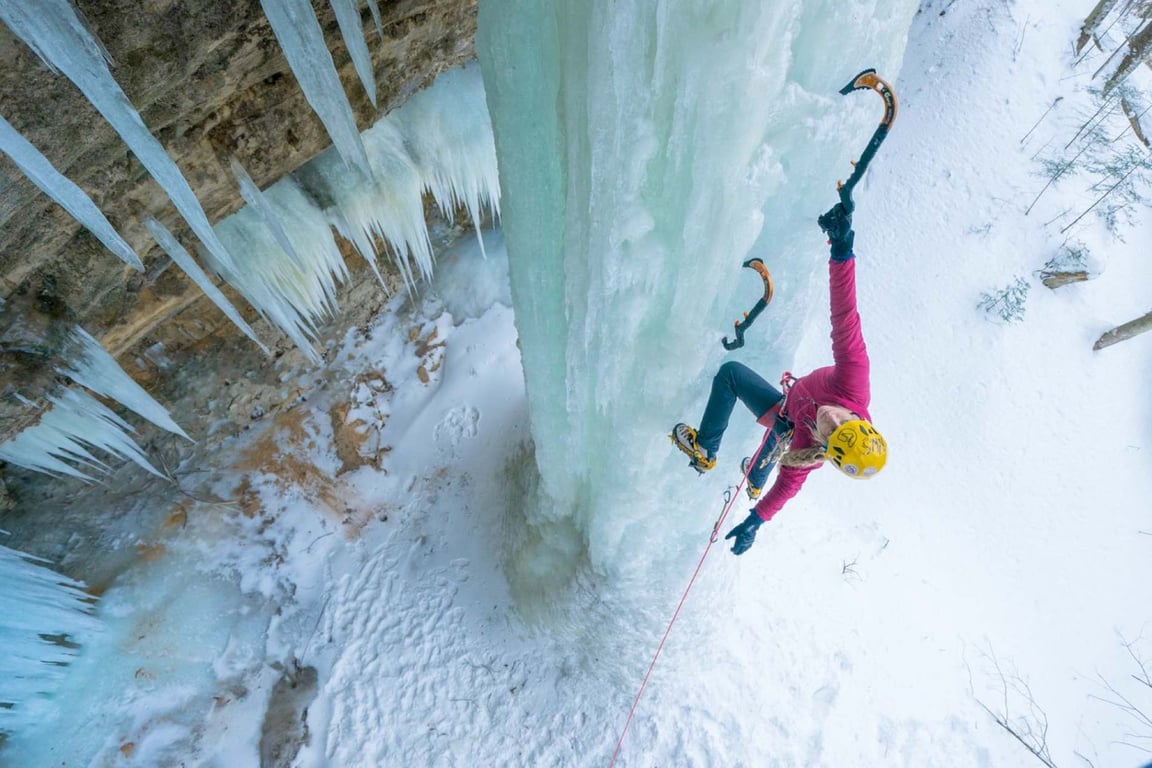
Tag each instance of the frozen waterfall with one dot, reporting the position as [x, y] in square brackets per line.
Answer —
[42, 617]
[646, 150]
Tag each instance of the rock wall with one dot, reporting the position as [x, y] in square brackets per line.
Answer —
[211, 82]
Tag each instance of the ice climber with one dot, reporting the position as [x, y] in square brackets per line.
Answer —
[823, 417]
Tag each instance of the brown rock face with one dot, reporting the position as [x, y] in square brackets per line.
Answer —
[211, 82]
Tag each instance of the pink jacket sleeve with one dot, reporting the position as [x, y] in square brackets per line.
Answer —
[788, 483]
[849, 377]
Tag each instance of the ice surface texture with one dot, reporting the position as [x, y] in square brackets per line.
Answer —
[36, 604]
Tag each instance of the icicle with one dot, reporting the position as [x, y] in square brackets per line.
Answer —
[348, 17]
[440, 140]
[61, 189]
[97, 370]
[375, 9]
[52, 29]
[36, 603]
[389, 208]
[185, 261]
[293, 299]
[75, 420]
[255, 198]
[302, 40]
[448, 128]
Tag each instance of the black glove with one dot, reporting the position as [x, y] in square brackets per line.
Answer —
[745, 533]
[837, 224]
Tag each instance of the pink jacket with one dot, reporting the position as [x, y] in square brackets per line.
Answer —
[844, 383]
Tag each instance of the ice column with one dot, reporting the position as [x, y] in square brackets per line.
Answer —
[61, 189]
[52, 29]
[641, 145]
[302, 40]
[36, 604]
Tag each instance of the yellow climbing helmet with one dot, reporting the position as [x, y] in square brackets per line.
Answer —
[857, 449]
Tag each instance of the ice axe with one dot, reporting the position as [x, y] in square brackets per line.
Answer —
[751, 315]
[868, 80]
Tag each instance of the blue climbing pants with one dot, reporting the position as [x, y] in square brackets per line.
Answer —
[736, 381]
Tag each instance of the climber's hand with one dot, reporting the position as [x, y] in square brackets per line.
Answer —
[745, 533]
[837, 224]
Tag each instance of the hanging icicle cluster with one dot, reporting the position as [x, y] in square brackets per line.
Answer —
[439, 142]
[61, 442]
[279, 251]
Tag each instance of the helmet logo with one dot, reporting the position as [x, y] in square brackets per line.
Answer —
[857, 449]
[846, 436]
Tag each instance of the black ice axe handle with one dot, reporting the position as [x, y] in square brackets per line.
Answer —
[868, 80]
[751, 315]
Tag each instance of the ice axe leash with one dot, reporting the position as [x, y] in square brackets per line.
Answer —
[751, 315]
[868, 80]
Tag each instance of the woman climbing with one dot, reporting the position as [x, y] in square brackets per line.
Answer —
[819, 417]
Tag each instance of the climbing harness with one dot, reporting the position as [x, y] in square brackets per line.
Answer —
[751, 315]
[868, 80]
[786, 382]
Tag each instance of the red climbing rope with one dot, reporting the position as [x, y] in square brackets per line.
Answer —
[711, 540]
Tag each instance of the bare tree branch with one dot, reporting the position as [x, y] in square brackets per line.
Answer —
[1031, 729]
[1100, 200]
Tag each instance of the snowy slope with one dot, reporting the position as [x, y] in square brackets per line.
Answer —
[866, 625]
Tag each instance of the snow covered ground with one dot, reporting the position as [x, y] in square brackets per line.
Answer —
[998, 567]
